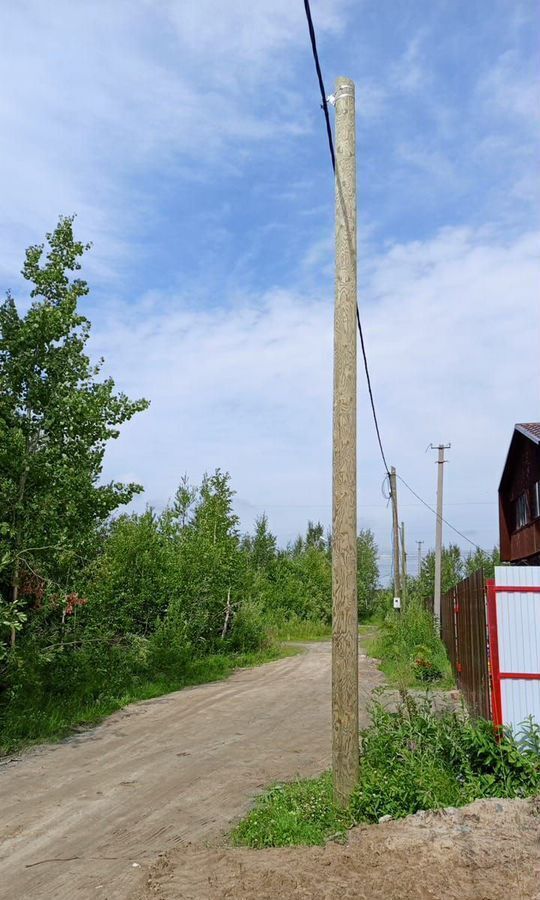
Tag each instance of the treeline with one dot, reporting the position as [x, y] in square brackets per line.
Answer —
[96, 607]
[162, 596]
[455, 565]
[159, 591]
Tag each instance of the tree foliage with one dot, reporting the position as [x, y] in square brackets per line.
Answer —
[56, 417]
[367, 573]
[454, 567]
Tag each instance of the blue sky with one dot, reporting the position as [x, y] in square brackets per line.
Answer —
[189, 140]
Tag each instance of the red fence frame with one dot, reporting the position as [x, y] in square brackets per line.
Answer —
[496, 675]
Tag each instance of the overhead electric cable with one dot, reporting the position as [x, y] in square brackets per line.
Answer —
[324, 101]
[324, 105]
[418, 497]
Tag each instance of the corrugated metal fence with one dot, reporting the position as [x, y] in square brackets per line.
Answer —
[514, 618]
[465, 635]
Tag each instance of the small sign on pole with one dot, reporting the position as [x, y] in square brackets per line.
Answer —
[397, 603]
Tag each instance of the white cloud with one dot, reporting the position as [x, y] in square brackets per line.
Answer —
[452, 328]
[98, 96]
[410, 72]
[511, 88]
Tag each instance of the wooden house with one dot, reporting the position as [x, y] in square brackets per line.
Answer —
[519, 498]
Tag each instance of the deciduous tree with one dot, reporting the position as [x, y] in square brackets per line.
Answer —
[56, 417]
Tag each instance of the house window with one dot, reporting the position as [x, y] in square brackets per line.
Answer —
[522, 511]
[536, 500]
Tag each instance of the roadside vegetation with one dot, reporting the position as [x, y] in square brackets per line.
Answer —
[411, 759]
[407, 643]
[98, 607]
[410, 651]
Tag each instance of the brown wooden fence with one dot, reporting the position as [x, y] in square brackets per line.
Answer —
[465, 635]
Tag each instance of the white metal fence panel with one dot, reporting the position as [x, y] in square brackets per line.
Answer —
[518, 576]
[516, 659]
[520, 699]
[518, 618]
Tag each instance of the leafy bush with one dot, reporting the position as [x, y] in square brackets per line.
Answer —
[413, 759]
[410, 649]
[302, 585]
[425, 668]
[168, 649]
[134, 580]
[249, 628]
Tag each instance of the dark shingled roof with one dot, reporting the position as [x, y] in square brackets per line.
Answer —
[530, 430]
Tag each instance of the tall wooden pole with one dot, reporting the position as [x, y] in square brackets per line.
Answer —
[438, 532]
[344, 598]
[419, 557]
[395, 532]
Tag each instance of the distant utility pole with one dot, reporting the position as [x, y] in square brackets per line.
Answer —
[344, 597]
[403, 565]
[419, 557]
[438, 530]
[395, 532]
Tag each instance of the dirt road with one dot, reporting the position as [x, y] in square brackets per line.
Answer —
[87, 817]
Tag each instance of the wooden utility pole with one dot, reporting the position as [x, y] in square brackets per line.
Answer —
[438, 531]
[403, 566]
[419, 557]
[395, 532]
[344, 598]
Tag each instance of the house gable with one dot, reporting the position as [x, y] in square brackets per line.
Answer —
[519, 496]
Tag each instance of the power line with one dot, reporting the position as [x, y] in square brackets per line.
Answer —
[371, 399]
[324, 105]
[418, 497]
[324, 101]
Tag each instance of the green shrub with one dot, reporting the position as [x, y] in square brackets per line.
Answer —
[249, 628]
[410, 649]
[168, 650]
[136, 577]
[413, 759]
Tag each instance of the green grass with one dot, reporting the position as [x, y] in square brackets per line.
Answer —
[301, 812]
[296, 629]
[410, 651]
[26, 723]
[410, 760]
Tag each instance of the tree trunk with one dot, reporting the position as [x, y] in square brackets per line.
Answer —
[16, 566]
[228, 610]
[14, 598]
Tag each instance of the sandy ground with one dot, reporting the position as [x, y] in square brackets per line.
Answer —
[489, 850]
[87, 817]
